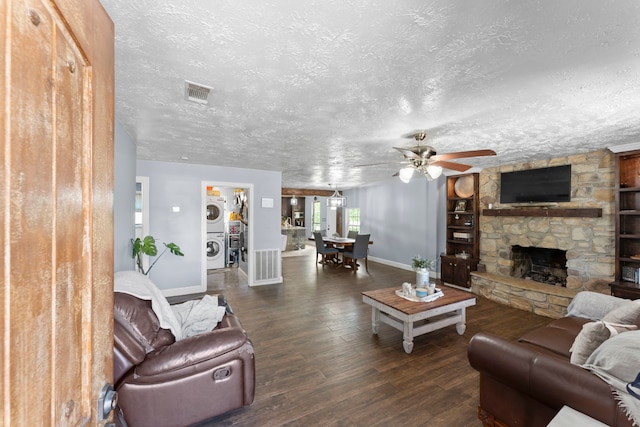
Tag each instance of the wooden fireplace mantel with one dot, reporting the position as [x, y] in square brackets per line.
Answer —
[545, 212]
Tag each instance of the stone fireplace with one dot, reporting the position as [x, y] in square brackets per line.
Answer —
[543, 265]
[581, 248]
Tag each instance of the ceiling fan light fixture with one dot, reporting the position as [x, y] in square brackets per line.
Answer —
[336, 200]
[405, 174]
[434, 171]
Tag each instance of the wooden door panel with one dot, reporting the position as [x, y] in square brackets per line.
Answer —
[71, 283]
[57, 238]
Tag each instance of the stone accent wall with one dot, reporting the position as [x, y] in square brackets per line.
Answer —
[589, 242]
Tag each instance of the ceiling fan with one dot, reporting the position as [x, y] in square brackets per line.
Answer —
[424, 159]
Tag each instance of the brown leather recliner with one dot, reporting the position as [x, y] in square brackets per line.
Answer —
[163, 382]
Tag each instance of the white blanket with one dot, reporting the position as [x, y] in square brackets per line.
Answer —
[593, 305]
[199, 316]
[183, 320]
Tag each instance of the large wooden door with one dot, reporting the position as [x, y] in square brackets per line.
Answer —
[57, 225]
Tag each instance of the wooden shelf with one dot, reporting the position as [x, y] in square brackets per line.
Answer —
[627, 217]
[624, 289]
[545, 212]
[454, 270]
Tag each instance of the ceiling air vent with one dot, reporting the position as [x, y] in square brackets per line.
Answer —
[196, 93]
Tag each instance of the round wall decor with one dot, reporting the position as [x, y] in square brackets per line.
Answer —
[464, 186]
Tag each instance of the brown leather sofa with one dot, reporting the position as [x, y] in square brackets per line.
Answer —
[527, 382]
[163, 382]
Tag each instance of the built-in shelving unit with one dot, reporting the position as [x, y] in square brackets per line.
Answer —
[627, 255]
[463, 232]
[233, 241]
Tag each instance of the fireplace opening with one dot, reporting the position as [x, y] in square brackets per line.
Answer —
[540, 264]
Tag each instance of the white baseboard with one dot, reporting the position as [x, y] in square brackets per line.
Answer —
[400, 265]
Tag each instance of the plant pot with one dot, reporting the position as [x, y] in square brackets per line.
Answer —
[422, 276]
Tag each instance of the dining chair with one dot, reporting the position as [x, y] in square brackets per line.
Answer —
[350, 235]
[322, 249]
[360, 250]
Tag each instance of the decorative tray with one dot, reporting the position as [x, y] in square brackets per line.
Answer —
[414, 298]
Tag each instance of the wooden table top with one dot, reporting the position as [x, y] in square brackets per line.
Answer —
[339, 240]
[388, 297]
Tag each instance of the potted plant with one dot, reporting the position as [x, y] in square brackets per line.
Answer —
[422, 266]
[147, 246]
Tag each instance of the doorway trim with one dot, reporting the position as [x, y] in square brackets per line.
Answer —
[144, 225]
[203, 231]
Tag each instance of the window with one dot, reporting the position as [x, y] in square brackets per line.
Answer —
[315, 217]
[353, 219]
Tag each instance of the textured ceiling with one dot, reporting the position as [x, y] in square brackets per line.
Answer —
[314, 88]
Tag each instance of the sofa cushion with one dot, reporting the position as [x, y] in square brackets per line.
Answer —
[557, 337]
[592, 335]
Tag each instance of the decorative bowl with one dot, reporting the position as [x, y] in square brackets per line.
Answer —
[421, 292]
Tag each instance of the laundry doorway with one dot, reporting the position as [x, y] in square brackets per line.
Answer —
[227, 235]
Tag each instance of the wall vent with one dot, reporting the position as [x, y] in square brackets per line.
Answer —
[196, 93]
[267, 265]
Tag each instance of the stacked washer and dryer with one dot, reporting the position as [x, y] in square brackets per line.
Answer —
[216, 241]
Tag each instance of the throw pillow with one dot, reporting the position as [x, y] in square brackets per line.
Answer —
[627, 313]
[618, 357]
[616, 361]
[591, 336]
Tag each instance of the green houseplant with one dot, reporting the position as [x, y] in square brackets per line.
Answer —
[147, 246]
[418, 263]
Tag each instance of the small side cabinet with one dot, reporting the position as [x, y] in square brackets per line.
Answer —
[457, 271]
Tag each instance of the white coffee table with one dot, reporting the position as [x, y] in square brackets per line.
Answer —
[408, 316]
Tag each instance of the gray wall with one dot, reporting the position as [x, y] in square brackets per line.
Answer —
[124, 193]
[404, 220]
[180, 184]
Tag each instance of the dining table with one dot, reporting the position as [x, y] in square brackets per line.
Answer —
[341, 243]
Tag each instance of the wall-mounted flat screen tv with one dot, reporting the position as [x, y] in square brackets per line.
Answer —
[542, 185]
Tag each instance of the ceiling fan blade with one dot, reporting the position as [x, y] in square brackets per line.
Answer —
[396, 174]
[451, 165]
[463, 154]
[408, 153]
[372, 164]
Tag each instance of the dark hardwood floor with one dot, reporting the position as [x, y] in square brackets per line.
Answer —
[318, 363]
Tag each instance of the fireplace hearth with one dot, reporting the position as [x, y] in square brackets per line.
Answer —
[541, 265]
